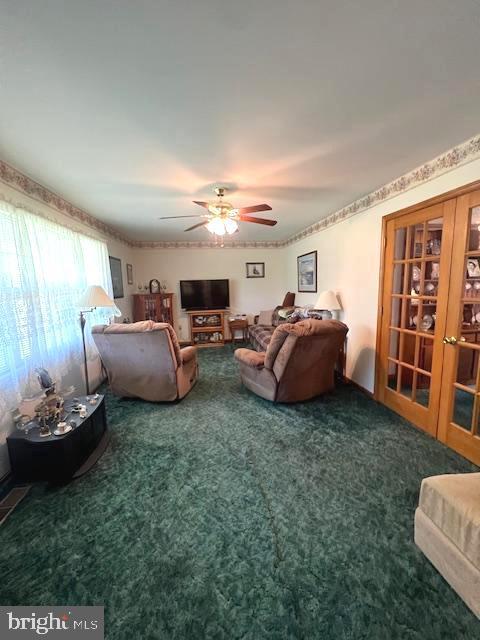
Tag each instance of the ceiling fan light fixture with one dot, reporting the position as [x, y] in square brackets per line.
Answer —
[223, 218]
[219, 208]
[216, 226]
[230, 225]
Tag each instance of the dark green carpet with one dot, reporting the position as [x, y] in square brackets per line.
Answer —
[225, 516]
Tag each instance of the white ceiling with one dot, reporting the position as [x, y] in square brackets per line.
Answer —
[132, 109]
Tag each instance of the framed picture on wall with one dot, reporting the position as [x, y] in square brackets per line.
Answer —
[129, 274]
[255, 269]
[307, 272]
[117, 280]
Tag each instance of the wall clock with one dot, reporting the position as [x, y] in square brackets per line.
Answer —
[154, 286]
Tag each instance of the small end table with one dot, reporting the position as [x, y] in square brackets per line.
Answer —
[238, 324]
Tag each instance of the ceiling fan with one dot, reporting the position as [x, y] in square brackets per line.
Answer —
[222, 217]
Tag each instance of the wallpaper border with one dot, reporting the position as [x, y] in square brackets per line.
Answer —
[461, 154]
[274, 244]
[451, 159]
[16, 179]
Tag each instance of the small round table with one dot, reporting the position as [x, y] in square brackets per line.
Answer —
[239, 324]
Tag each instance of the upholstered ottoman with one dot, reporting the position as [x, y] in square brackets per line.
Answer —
[447, 530]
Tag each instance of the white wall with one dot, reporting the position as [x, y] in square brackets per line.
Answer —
[115, 248]
[349, 263]
[247, 295]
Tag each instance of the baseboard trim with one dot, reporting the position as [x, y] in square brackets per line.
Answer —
[359, 387]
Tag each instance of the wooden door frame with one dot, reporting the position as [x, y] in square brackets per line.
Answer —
[448, 195]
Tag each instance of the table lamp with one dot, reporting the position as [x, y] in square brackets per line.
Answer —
[93, 297]
[327, 301]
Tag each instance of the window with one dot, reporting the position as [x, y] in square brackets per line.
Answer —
[44, 268]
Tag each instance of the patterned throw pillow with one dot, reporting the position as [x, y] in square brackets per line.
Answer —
[296, 316]
[316, 315]
[302, 313]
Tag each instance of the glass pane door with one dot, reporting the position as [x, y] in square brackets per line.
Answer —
[460, 406]
[416, 277]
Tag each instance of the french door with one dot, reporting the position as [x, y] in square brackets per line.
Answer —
[429, 342]
[459, 410]
[415, 295]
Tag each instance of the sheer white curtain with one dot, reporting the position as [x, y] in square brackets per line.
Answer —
[44, 268]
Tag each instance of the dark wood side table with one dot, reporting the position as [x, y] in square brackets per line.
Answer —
[60, 458]
[239, 324]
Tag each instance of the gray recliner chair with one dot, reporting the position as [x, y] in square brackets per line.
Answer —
[144, 360]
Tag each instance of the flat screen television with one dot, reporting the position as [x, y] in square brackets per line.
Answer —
[198, 295]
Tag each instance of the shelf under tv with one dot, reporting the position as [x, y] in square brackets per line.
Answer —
[207, 327]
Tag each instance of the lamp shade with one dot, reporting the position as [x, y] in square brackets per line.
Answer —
[96, 296]
[327, 301]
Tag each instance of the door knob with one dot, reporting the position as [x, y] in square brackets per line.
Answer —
[453, 340]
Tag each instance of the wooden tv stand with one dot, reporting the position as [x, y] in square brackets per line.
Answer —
[207, 328]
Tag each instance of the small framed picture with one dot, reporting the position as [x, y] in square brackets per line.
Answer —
[129, 274]
[255, 269]
[116, 273]
[307, 272]
[473, 267]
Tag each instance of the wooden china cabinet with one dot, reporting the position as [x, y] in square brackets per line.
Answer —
[153, 306]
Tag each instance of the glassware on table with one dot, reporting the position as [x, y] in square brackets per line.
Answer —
[25, 423]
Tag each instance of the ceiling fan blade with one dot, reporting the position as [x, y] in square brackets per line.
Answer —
[195, 226]
[257, 207]
[269, 223]
[202, 204]
[173, 217]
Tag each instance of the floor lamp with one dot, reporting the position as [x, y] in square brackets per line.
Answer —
[93, 297]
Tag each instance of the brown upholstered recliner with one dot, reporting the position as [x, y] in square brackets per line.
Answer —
[299, 361]
[144, 360]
